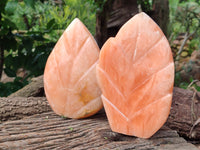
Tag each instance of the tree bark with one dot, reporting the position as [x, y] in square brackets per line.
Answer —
[49, 131]
[19, 107]
[101, 23]
[117, 12]
[2, 9]
[1, 60]
[114, 14]
[121, 12]
[1, 52]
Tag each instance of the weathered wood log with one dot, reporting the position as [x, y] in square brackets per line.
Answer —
[33, 89]
[19, 107]
[185, 113]
[49, 131]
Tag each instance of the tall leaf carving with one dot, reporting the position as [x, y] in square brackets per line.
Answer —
[136, 74]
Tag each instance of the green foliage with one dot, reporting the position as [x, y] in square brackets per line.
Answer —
[31, 47]
[179, 82]
[183, 84]
[97, 5]
[87, 17]
[173, 4]
[10, 87]
[2, 5]
[146, 5]
[188, 14]
[185, 17]
[29, 31]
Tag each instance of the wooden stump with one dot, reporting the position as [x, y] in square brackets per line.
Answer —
[185, 113]
[49, 131]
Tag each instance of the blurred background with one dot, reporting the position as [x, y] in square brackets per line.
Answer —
[29, 30]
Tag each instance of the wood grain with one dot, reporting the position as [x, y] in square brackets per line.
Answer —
[49, 131]
[19, 107]
[184, 112]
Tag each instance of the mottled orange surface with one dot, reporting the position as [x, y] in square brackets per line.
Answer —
[136, 75]
[70, 76]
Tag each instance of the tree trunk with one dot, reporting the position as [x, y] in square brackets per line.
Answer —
[1, 60]
[101, 31]
[160, 14]
[49, 131]
[101, 23]
[2, 9]
[114, 14]
[1, 52]
[121, 12]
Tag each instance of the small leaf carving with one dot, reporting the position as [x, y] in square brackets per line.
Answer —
[70, 75]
